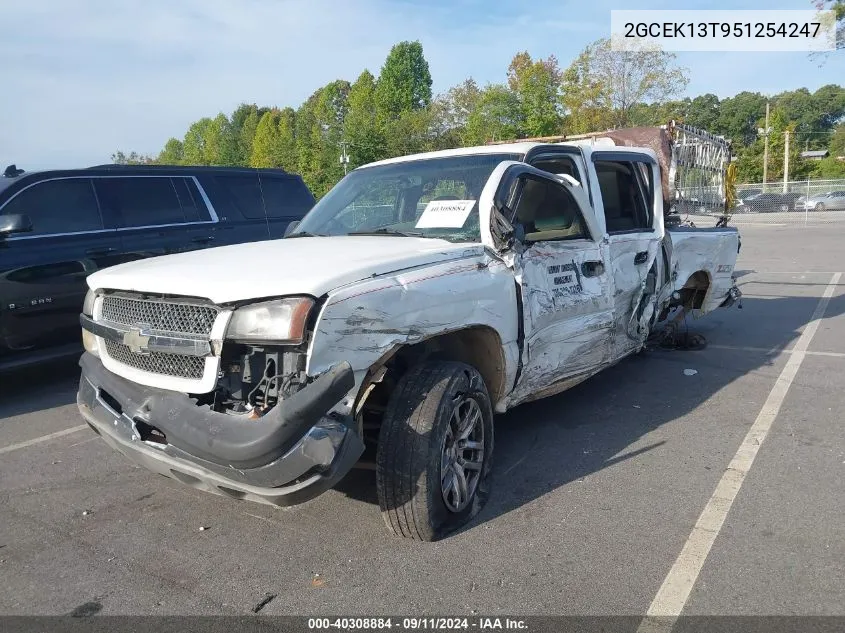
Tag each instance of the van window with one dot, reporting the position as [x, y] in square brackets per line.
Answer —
[66, 205]
[286, 197]
[243, 193]
[192, 203]
[140, 201]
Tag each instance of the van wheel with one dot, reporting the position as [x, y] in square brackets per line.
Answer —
[434, 449]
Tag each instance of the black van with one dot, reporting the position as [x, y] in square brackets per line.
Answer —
[58, 227]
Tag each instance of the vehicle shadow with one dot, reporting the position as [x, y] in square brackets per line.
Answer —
[33, 389]
[543, 445]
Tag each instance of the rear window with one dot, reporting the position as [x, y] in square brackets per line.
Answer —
[244, 194]
[286, 197]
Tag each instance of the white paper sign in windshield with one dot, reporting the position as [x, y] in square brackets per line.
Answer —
[445, 214]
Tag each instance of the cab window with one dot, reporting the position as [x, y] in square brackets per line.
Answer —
[624, 197]
[547, 211]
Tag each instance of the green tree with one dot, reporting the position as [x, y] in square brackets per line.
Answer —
[265, 144]
[827, 168]
[404, 83]
[603, 85]
[172, 154]
[217, 149]
[193, 147]
[497, 116]
[133, 158]
[739, 115]
[837, 142]
[246, 135]
[750, 158]
[537, 87]
[703, 112]
[362, 130]
[287, 139]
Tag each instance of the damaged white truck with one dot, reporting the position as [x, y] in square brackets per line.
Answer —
[419, 297]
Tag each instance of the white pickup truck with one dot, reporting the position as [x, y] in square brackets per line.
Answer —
[419, 297]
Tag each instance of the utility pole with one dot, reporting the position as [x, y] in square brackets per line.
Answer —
[785, 160]
[766, 147]
[344, 157]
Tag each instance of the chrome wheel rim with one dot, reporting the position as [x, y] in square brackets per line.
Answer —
[462, 455]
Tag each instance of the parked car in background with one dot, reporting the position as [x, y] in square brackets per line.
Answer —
[744, 194]
[765, 203]
[791, 198]
[830, 201]
[57, 227]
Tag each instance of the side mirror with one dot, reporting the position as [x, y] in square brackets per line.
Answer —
[14, 223]
[291, 227]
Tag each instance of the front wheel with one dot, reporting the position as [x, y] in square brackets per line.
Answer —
[820, 207]
[434, 450]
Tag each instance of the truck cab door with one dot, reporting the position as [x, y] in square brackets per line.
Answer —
[564, 280]
[630, 195]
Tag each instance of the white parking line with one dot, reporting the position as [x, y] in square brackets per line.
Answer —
[675, 590]
[43, 438]
[776, 350]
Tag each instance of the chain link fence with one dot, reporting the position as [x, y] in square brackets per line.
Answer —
[796, 202]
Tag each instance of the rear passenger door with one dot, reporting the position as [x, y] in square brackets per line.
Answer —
[147, 213]
[628, 197]
[42, 273]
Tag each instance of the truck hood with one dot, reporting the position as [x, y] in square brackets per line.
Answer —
[304, 265]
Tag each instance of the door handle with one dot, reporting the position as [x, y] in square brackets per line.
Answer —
[641, 257]
[592, 268]
[203, 240]
[99, 252]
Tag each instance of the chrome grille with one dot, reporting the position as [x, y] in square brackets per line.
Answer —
[157, 362]
[168, 316]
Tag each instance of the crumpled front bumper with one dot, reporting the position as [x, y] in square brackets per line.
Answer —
[290, 458]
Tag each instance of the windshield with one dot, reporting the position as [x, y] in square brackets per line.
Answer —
[434, 197]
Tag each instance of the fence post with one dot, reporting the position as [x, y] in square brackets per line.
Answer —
[806, 200]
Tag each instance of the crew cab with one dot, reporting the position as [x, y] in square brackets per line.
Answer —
[419, 297]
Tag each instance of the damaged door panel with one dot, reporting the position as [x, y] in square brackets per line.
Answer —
[626, 196]
[565, 285]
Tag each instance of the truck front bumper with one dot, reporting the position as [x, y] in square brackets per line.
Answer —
[279, 462]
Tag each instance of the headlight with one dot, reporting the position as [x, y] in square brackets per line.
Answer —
[276, 322]
[88, 304]
[89, 341]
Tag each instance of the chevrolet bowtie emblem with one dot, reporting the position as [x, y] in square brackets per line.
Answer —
[137, 338]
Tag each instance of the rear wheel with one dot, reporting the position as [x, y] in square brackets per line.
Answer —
[435, 444]
[820, 206]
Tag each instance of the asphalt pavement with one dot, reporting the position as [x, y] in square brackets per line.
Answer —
[597, 492]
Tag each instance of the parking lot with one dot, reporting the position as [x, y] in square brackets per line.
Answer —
[638, 490]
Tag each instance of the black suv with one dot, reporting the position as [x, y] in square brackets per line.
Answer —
[57, 227]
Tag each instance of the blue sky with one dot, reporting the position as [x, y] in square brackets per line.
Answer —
[82, 79]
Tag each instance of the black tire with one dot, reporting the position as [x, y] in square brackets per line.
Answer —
[819, 207]
[411, 453]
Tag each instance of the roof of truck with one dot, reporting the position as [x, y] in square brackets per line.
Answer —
[520, 147]
[506, 148]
